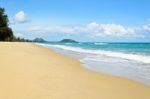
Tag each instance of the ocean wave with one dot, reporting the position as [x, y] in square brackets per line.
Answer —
[68, 43]
[100, 43]
[131, 66]
[133, 57]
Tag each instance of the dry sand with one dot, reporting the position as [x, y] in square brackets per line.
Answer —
[28, 71]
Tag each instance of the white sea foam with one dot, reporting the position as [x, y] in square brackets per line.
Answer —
[132, 66]
[133, 57]
[100, 43]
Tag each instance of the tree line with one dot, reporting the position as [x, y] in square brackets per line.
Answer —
[6, 33]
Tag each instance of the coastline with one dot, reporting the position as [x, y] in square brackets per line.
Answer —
[33, 72]
[111, 62]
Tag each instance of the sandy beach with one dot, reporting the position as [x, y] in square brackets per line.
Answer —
[28, 71]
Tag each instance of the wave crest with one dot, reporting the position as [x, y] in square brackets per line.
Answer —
[133, 57]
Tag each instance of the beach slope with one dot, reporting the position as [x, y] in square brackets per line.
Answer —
[28, 71]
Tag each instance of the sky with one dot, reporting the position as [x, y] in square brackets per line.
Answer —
[81, 20]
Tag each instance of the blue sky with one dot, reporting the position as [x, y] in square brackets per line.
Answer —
[82, 20]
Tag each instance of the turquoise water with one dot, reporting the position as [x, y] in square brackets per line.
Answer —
[137, 48]
[129, 60]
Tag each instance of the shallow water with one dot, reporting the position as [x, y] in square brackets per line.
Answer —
[129, 60]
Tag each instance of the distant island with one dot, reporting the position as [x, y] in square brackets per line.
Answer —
[39, 40]
[68, 41]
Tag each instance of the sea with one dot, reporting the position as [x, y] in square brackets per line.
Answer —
[128, 60]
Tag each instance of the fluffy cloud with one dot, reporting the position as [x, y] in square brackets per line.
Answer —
[91, 28]
[20, 17]
[114, 29]
[146, 27]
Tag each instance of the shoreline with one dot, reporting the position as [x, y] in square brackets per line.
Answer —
[33, 72]
[118, 67]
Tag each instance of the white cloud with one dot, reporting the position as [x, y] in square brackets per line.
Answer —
[146, 27]
[93, 25]
[20, 17]
[92, 28]
[106, 29]
[115, 29]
